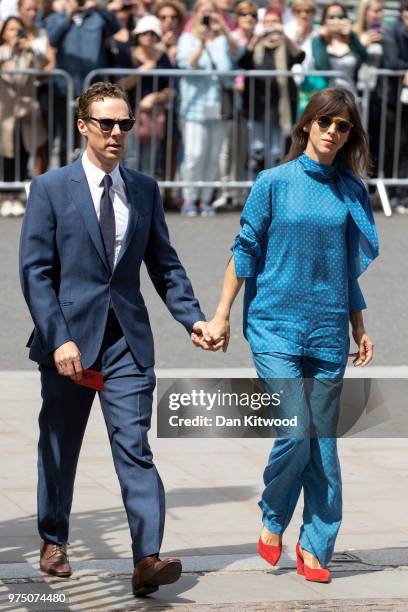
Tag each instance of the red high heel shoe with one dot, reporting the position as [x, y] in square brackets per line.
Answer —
[314, 575]
[271, 554]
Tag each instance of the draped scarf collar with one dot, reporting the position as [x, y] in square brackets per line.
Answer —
[362, 234]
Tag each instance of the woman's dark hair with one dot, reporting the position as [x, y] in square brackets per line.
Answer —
[403, 6]
[333, 101]
[5, 24]
[329, 6]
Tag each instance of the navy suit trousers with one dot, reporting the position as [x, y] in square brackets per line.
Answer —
[127, 407]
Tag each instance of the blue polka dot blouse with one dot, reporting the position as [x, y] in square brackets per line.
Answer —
[298, 256]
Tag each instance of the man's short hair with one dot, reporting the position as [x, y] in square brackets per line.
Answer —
[403, 6]
[97, 92]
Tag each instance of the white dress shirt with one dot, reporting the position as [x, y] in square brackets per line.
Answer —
[94, 176]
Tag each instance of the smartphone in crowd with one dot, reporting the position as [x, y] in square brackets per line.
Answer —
[376, 25]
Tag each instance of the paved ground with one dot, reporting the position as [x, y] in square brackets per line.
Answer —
[212, 485]
[203, 247]
[212, 523]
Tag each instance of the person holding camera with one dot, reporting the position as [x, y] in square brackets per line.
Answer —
[269, 104]
[337, 47]
[120, 43]
[39, 43]
[79, 35]
[209, 46]
[171, 14]
[21, 127]
[148, 98]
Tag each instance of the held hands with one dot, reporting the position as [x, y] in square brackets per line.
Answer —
[67, 360]
[365, 348]
[212, 335]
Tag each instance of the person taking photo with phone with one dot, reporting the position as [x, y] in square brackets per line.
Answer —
[337, 47]
[22, 130]
[209, 46]
[269, 104]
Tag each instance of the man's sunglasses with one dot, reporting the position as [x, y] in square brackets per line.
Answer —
[333, 17]
[325, 121]
[107, 125]
[247, 14]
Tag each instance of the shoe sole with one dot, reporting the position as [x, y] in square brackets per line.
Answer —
[168, 575]
[145, 590]
[55, 573]
[316, 580]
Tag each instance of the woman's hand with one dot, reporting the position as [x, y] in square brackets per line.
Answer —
[365, 348]
[371, 36]
[148, 65]
[218, 24]
[218, 331]
[169, 39]
[201, 32]
[324, 32]
[345, 28]
[147, 103]
[202, 338]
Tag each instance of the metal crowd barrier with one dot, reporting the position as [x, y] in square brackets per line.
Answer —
[30, 105]
[239, 126]
[382, 111]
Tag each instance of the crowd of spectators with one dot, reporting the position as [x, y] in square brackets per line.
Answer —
[195, 128]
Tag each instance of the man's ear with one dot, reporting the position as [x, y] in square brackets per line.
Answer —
[82, 127]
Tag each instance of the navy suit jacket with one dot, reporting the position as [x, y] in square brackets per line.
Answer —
[65, 275]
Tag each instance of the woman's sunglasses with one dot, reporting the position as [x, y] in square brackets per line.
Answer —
[247, 14]
[333, 17]
[309, 11]
[325, 121]
[106, 125]
[171, 17]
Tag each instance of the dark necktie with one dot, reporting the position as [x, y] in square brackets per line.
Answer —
[107, 220]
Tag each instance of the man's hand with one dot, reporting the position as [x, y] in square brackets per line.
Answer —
[203, 339]
[67, 360]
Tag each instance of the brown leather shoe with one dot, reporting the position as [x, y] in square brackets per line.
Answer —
[150, 572]
[54, 559]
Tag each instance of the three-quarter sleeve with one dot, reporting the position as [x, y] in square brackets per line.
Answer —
[356, 298]
[255, 220]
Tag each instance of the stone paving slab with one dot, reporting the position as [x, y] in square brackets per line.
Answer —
[237, 589]
[212, 520]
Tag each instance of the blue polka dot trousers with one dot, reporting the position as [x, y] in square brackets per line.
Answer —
[303, 460]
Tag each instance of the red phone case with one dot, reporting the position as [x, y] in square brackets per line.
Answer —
[91, 379]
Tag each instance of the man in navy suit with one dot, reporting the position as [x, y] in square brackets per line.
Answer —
[87, 229]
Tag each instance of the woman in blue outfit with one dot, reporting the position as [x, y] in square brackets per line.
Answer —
[307, 234]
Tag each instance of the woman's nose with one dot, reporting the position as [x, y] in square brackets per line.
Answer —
[332, 128]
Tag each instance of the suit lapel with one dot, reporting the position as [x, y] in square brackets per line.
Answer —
[82, 199]
[132, 194]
